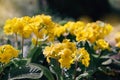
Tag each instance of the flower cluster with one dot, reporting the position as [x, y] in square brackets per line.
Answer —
[67, 53]
[74, 51]
[42, 27]
[93, 32]
[7, 52]
[88, 31]
[101, 44]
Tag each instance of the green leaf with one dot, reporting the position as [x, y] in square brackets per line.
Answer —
[46, 72]
[105, 57]
[34, 54]
[1, 69]
[81, 76]
[20, 62]
[55, 69]
[107, 62]
[30, 71]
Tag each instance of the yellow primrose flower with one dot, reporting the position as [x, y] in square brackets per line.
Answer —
[104, 29]
[107, 29]
[52, 51]
[82, 35]
[83, 56]
[24, 27]
[47, 53]
[26, 32]
[102, 44]
[46, 19]
[62, 52]
[5, 58]
[18, 26]
[59, 31]
[66, 59]
[86, 33]
[8, 27]
[80, 30]
[42, 26]
[78, 26]
[7, 52]
[100, 30]
[66, 53]
[48, 50]
[70, 27]
[70, 45]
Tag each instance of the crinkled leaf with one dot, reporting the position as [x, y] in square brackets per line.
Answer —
[30, 71]
[107, 62]
[81, 76]
[45, 71]
[20, 62]
[35, 55]
[55, 69]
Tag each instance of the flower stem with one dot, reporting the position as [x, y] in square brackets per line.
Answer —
[36, 42]
[22, 44]
[62, 73]
[76, 64]
[16, 40]
[2, 69]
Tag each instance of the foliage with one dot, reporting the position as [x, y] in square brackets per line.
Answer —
[72, 51]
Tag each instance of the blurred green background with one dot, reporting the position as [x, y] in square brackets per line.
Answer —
[88, 10]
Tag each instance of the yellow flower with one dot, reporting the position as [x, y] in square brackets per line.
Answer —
[83, 56]
[102, 44]
[104, 29]
[5, 58]
[100, 30]
[8, 28]
[70, 45]
[10, 25]
[7, 52]
[48, 51]
[63, 52]
[81, 36]
[24, 27]
[26, 32]
[46, 19]
[80, 30]
[18, 26]
[72, 27]
[59, 31]
[69, 27]
[51, 51]
[42, 25]
[108, 29]
[84, 34]
[66, 59]
[66, 53]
